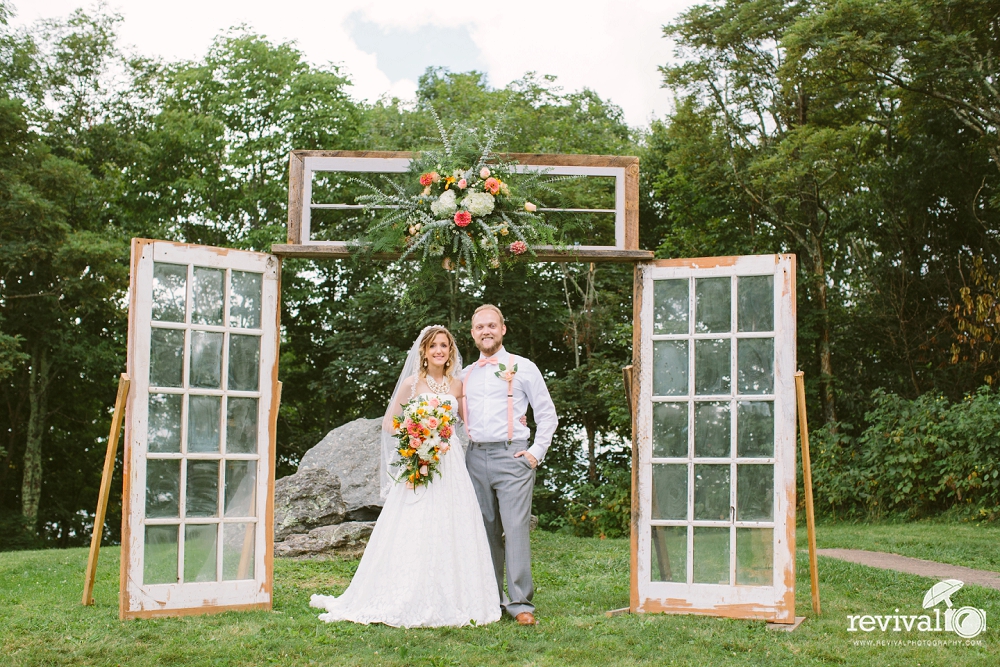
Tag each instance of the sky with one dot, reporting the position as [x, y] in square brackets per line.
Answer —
[613, 48]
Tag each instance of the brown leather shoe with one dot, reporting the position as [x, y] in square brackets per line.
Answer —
[525, 618]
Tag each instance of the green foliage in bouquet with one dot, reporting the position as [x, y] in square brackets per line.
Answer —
[462, 204]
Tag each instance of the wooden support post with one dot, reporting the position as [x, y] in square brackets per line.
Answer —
[102, 499]
[800, 392]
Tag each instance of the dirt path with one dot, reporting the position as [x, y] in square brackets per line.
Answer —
[923, 568]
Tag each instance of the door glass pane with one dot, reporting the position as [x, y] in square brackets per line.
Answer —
[163, 485]
[668, 554]
[670, 306]
[163, 433]
[166, 358]
[199, 552]
[755, 429]
[244, 362]
[712, 430]
[241, 488]
[244, 300]
[208, 293]
[169, 292]
[711, 555]
[206, 359]
[670, 367]
[204, 413]
[711, 492]
[670, 482]
[159, 556]
[237, 551]
[202, 488]
[711, 366]
[755, 360]
[241, 426]
[714, 312]
[755, 305]
[670, 430]
[755, 556]
[754, 492]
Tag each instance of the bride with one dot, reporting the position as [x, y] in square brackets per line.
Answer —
[427, 563]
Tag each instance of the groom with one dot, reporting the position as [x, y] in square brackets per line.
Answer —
[500, 462]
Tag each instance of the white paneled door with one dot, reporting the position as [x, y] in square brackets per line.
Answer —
[199, 439]
[715, 429]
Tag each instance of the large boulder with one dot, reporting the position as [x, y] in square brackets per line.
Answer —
[351, 453]
[306, 500]
[345, 539]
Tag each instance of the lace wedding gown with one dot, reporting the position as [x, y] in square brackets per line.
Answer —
[427, 563]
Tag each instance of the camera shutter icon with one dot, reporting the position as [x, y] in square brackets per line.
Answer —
[966, 622]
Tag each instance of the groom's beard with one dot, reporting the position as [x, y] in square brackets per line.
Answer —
[493, 347]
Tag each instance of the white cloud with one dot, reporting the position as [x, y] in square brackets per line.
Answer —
[612, 48]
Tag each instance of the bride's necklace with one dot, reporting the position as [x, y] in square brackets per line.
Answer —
[438, 387]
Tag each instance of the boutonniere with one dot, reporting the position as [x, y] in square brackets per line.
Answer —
[504, 374]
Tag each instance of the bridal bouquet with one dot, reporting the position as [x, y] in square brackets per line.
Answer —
[462, 205]
[423, 431]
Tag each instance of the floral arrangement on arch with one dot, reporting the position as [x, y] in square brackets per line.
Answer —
[461, 205]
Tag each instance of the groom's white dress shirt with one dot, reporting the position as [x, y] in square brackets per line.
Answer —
[486, 398]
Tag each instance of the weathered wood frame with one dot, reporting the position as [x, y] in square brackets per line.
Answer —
[775, 603]
[141, 601]
[625, 170]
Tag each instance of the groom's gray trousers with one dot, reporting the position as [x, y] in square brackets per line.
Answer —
[504, 485]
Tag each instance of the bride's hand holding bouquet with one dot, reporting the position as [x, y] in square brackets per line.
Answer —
[423, 431]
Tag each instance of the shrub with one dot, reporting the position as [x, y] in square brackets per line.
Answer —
[916, 458]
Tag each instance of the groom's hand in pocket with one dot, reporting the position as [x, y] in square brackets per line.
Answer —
[532, 461]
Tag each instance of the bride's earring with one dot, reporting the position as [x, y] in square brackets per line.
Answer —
[425, 363]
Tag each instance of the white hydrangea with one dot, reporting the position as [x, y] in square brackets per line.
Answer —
[478, 203]
[426, 450]
[445, 204]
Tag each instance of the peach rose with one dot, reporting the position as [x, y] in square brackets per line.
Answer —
[492, 186]
[484, 173]
[529, 207]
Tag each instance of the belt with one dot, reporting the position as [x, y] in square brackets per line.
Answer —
[501, 443]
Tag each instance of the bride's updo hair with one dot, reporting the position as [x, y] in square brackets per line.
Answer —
[425, 344]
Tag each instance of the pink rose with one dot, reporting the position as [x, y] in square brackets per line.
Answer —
[484, 173]
[463, 218]
[462, 184]
[529, 207]
[433, 403]
[431, 422]
[492, 186]
[518, 247]
[444, 447]
[415, 442]
[423, 470]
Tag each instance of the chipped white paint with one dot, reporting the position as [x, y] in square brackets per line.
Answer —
[138, 598]
[776, 601]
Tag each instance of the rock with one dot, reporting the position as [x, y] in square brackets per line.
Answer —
[345, 539]
[533, 522]
[306, 500]
[351, 453]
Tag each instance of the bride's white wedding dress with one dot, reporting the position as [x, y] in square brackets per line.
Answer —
[427, 563]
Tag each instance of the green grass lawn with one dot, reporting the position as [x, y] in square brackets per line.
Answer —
[43, 623]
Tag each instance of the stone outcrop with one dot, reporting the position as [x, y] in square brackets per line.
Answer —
[345, 539]
[330, 504]
[351, 453]
[306, 500]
